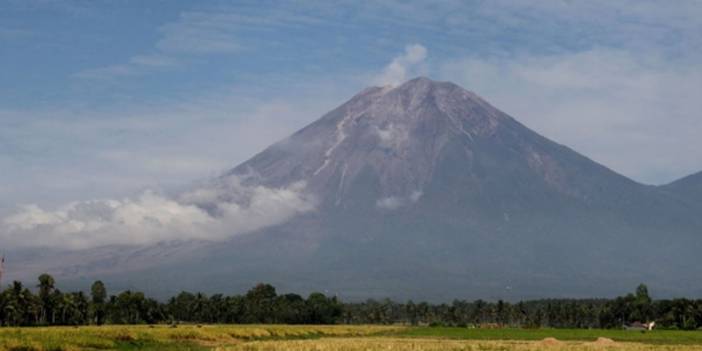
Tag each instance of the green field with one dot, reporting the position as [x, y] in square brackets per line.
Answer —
[658, 337]
[336, 338]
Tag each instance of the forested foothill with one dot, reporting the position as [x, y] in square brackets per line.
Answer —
[47, 305]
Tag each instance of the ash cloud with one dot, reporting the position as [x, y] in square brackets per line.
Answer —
[403, 66]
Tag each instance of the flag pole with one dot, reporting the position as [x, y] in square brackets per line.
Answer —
[2, 269]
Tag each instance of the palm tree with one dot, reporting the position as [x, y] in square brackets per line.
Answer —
[46, 288]
[99, 295]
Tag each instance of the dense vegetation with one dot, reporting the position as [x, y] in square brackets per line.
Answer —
[20, 306]
[552, 313]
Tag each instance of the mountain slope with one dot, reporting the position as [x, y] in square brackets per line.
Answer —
[687, 191]
[426, 191]
[688, 187]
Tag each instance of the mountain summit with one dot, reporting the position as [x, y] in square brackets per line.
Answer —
[395, 133]
[427, 136]
[426, 191]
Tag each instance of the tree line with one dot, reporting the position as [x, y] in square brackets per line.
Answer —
[682, 314]
[20, 306]
[47, 305]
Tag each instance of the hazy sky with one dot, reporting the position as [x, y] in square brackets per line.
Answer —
[106, 99]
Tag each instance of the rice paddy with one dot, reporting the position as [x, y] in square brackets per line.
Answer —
[336, 338]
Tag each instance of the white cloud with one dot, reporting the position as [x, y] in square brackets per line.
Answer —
[199, 33]
[512, 26]
[154, 61]
[392, 203]
[108, 72]
[221, 32]
[217, 211]
[194, 33]
[389, 203]
[636, 113]
[404, 66]
[132, 147]
[137, 65]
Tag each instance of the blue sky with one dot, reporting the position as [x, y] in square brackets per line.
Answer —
[106, 99]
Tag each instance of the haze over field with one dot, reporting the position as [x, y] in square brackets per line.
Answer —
[433, 152]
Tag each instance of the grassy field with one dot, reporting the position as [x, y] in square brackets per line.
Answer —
[184, 337]
[336, 338]
[366, 344]
[658, 337]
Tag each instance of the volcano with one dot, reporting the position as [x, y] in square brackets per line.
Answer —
[426, 191]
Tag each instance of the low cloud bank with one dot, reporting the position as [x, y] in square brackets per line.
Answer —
[216, 211]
